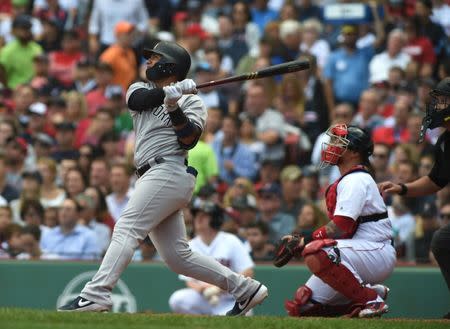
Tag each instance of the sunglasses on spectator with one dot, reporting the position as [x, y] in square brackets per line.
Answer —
[445, 216]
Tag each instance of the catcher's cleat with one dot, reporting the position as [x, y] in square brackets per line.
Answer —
[382, 290]
[81, 304]
[242, 307]
[374, 309]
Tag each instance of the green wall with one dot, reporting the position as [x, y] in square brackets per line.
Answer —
[415, 292]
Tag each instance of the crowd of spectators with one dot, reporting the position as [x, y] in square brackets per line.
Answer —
[67, 140]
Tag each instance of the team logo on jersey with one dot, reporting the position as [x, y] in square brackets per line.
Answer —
[123, 300]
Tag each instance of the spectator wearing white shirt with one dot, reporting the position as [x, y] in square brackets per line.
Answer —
[380, 64]
[120, 186]
[311, 42]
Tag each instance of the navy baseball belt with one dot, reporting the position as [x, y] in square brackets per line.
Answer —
[155, 161]
[372, 218]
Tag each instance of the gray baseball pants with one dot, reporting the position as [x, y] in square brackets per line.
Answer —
[154, 210]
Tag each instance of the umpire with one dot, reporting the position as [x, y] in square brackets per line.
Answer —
[437, 115]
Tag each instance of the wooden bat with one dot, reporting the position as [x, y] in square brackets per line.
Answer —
[283, 68]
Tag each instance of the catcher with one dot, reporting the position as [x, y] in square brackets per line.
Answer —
[352, 253]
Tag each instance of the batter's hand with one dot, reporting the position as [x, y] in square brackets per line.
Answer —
[389, 188]
[173, 94]
[187, 86]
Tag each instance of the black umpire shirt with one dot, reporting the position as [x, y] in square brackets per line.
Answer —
[440, 173]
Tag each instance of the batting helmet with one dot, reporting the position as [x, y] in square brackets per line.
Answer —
[438, 109]
[213, 210]
[343, 137]
[175, 60]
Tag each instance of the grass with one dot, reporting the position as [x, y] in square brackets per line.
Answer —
[13, 318]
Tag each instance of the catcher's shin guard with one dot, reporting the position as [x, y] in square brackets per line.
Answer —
[339, 277]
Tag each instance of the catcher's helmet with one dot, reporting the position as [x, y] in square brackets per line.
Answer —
[438, 109]
[212, 209]
[341, 138]
[175, 60]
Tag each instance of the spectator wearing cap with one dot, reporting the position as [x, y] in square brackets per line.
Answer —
[103, 21]
[120, 55]
[16, 58]
[38, 123]
[420, 48]
[212, 97]
[69, 240]
[258, 238]
[393, 56]
[7, 191]
[234, 158]
[16, 151]
[63, 62]
[50, 194]
[269, 206]
[19, 7]
[347, 70]
[65, 139]
[291, 185]
[29, 190]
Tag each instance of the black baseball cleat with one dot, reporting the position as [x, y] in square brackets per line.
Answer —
[242, 307]
[81, 304]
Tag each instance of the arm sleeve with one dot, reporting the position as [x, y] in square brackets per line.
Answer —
[140, 97]
[194, 109]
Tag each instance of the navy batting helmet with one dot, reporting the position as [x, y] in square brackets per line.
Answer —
[212, 209]
[175, 60]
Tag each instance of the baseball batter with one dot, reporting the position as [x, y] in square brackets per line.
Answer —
[352, 254]
[168, 119]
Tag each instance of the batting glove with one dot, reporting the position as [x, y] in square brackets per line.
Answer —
[187, 86]
[173, 94]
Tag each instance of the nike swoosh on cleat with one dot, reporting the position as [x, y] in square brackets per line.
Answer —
[244, 305]
[83, 303]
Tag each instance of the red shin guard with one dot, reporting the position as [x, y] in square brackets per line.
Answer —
[339, 278]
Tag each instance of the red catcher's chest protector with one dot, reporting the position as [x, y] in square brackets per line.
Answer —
[331, 192]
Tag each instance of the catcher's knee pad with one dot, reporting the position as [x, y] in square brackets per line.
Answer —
[339, 277]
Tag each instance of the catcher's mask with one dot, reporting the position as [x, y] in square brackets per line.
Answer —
[343, 137]
[175, 60]
[438, 108]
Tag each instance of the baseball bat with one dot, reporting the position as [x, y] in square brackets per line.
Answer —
[283, 68]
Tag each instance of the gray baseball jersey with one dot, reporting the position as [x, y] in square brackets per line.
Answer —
[155, 135]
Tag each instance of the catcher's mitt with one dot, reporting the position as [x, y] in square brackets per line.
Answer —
[288, 247]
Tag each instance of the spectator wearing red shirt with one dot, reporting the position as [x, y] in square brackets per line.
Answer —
[63, 62]
[96, 98]
[419, 48]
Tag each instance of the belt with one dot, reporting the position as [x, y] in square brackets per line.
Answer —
[151, 163]
[372, 218]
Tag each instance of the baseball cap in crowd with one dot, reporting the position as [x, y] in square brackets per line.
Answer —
[38, 108]
[349, 29]
[123, 27]
[35, 175]
[270, 189]
[244, 202]
[65, 125]
[291, 173]
[195, 29]
[180, 16]
[22, 21]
